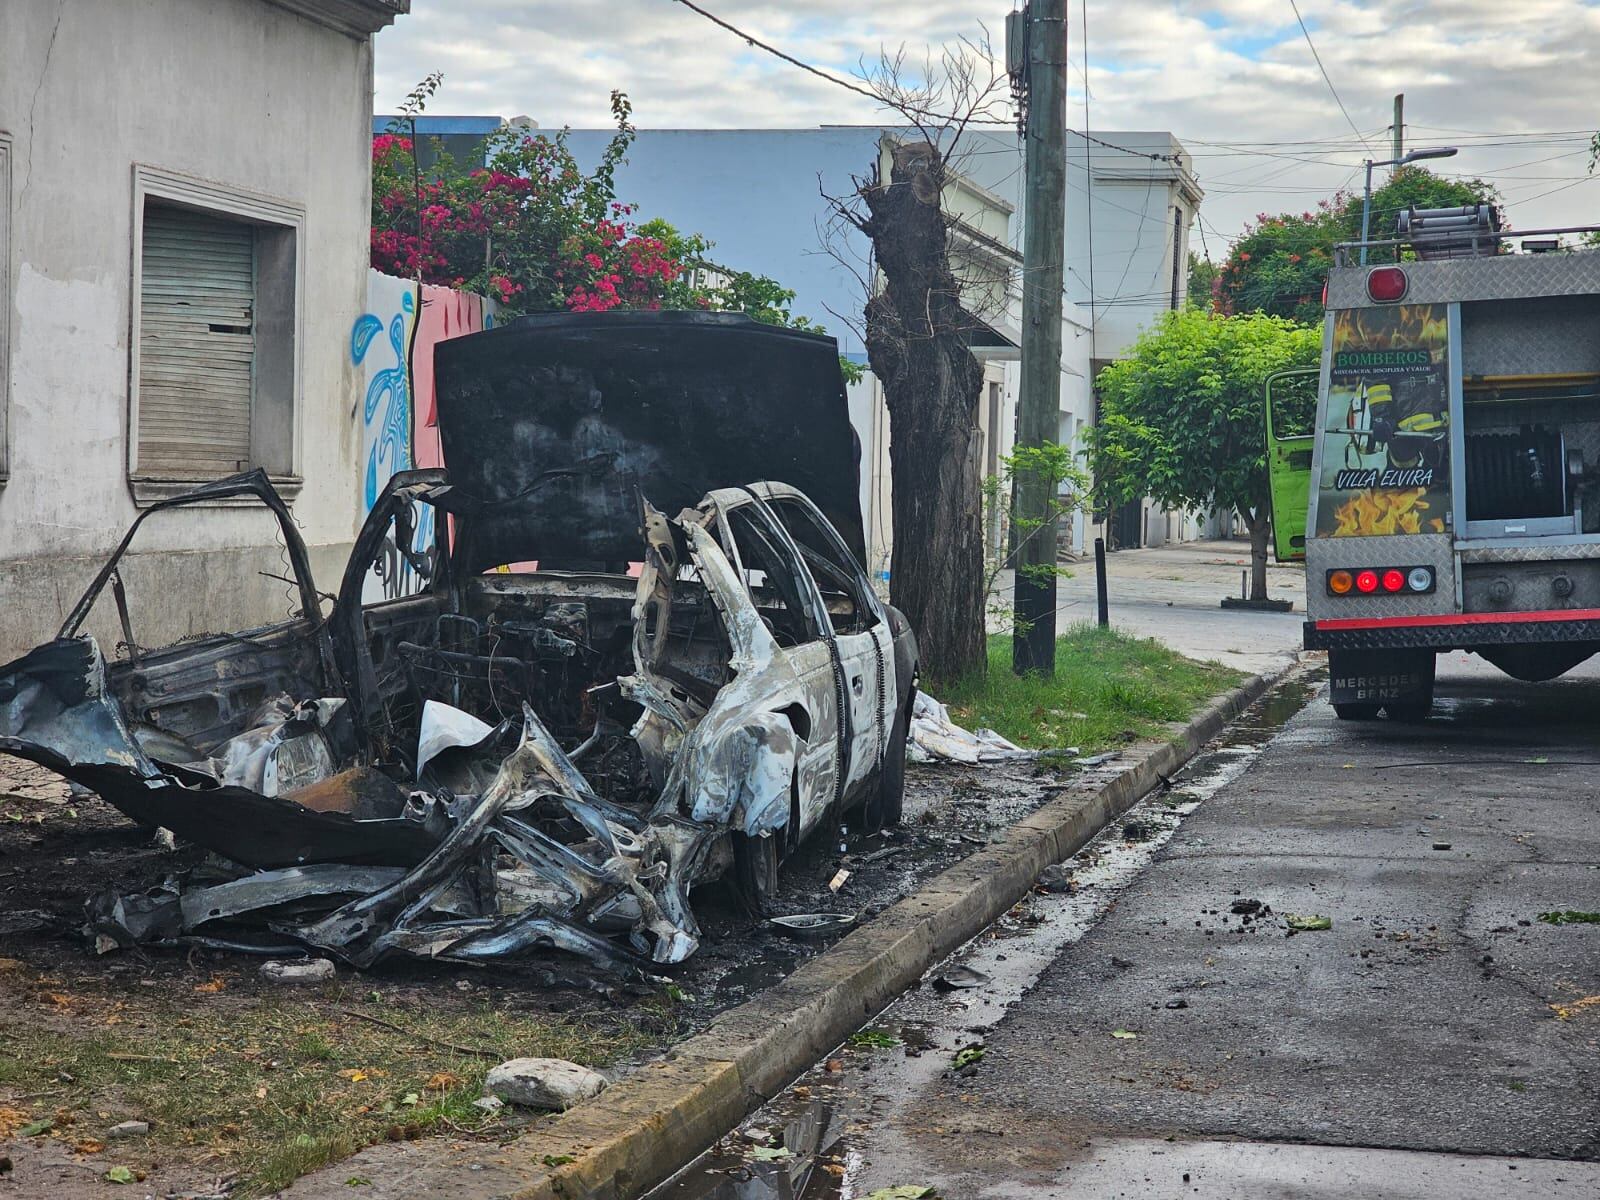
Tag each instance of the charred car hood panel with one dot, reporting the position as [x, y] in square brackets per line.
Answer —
[554, 426]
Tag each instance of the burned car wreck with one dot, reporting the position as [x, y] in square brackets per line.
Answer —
[620, 671]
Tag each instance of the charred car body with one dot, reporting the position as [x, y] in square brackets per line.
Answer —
[534, 748]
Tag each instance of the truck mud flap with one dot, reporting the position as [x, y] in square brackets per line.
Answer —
[1380, 676]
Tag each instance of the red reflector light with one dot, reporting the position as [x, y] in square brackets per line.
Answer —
[1367, 581]
[1386, 284]
[1393, 581]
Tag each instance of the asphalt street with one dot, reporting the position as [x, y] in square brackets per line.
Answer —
[1173, 593]
[1143, 1038]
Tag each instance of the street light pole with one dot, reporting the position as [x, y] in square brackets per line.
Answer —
[1366, 210]
[1366, 190]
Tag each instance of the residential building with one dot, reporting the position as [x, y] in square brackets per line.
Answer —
[763, 196]
[1132, 201]
[184, 205]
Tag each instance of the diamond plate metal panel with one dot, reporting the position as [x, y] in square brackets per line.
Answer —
[1449, 637]
[1529, 553]
[1502, 277]
[1545, 335]
[1326, 554]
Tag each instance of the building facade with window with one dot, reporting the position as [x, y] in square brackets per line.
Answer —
[184, 206]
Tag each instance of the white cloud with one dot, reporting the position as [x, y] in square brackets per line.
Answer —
[1212, 71]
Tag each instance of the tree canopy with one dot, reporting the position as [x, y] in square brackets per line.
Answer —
[1181, 416]
[1281, 262]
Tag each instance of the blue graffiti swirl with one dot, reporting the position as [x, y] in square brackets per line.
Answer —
[391, 449]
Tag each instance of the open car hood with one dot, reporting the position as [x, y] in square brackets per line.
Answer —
[554, 425]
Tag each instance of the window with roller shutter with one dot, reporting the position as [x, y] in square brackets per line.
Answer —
[197, 344]
[214, 385]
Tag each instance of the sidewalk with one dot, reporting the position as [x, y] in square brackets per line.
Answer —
[1174, 594]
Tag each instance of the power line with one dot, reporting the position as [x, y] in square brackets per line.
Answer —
[752, 40]
[788, 58]
[1325, 78]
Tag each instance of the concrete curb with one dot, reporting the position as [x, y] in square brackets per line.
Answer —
[659, 1119]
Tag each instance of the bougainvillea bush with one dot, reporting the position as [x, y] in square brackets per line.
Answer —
[1279, 263]
[535, 231]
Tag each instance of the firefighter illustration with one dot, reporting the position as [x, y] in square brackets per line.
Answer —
[1405, 421]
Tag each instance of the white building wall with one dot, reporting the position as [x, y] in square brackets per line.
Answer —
[758, 193]
[244, 94]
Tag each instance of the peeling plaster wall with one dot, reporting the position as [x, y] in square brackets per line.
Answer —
[238, 92]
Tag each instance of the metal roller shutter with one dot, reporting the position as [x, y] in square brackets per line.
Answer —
[196, 344]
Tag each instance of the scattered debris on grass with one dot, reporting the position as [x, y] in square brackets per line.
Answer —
[935, 737]
[269, 1084]
[550, 1084]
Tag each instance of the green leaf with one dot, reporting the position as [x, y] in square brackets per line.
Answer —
[119, 1175]
[557, 1160]
[901, 1193]
[1124, 1034]
[769, 1153]
[35, 1128]
[1307, 923]
[1570, 916]
[880, 1039]
[968, 1055]
[410, 1099]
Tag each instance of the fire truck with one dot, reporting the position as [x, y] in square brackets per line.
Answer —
[1443, 489]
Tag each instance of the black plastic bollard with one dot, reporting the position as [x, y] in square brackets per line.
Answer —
[1100, 581]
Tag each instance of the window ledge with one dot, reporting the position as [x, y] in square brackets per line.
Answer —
[152, 489]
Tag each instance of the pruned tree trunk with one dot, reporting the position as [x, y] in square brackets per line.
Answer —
[916, 346]
[1259, 526]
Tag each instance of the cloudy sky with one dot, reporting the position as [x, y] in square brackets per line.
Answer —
[1511, 82]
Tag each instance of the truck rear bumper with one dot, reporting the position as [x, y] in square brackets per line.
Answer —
[1449, 631]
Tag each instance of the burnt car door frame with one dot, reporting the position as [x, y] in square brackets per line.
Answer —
[744, 501]
[352, 645]
[159, 679]
[869, 649]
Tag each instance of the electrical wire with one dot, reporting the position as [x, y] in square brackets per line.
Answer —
[1325, 78]
[859, 90]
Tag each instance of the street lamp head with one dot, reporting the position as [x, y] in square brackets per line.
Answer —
[1434, 152]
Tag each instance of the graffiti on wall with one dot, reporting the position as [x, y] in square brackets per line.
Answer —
[399, 414]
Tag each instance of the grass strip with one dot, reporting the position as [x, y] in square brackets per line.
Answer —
[270, 1088]
[1109, 688]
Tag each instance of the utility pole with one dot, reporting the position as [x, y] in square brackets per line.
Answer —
[1398, 142]
[1033, 646]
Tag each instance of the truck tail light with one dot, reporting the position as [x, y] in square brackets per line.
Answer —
[1343, 581]
[1386, 284]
